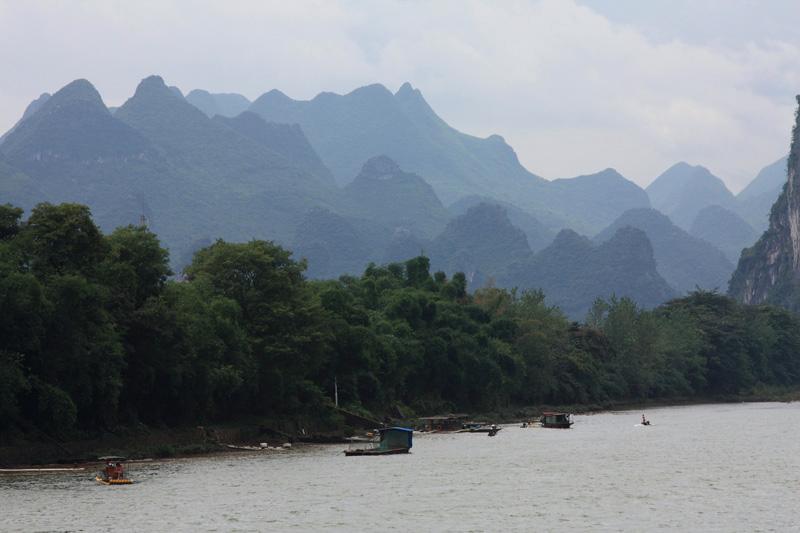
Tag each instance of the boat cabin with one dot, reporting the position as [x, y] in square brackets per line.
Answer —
[448, 422]
[392, 440]
[556, 420]
[395, 438]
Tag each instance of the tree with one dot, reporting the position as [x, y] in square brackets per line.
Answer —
[62, 239]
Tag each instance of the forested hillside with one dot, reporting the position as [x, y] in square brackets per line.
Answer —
[93, 334]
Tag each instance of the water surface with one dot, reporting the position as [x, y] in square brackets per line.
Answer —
[733, 467]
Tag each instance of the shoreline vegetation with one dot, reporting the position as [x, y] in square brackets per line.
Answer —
[149, 444]
[103, 351]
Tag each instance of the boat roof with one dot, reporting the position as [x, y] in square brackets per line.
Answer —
[407, 430]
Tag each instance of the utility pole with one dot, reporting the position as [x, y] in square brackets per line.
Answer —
[336, 391]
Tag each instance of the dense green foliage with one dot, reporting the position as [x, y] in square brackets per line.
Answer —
[93, 333]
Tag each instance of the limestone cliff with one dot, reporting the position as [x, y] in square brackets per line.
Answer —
[769, 272]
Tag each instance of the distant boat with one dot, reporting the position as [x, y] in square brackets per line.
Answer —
[392, 441]
[479, 427]
[104, 481]
[442, 423]
[556, 420]
[114, 472]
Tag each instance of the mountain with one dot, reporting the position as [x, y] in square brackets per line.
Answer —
[683, 190]
[480, 243]
[724, 229]
[537, 233]
[769, 271]
[331, 244]
[596, 200]
[404, 245]
[686, 262]
[288, 140]
[18, 188]
[72, 125]
[573, 272]
[72, 149]
[385, 194]
[347, 130]
[221, 171]
[768, 179]
[754, 202]
[223, 104]
[193, 178]
[32, 108]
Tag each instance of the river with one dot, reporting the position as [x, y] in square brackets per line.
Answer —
[729, 467]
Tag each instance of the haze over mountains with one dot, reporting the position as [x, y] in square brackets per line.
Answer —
[375, 176]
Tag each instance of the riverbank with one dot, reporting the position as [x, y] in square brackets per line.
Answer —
[520, 414]
[141, 442]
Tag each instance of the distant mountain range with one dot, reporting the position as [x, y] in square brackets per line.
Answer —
[683, 190]
[345, 180]
[346, 130]
[573, 272]
[685, 261]
[755, 201]
[222, 104]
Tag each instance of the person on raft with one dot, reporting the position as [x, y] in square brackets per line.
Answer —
[108, 471]
[645, 422]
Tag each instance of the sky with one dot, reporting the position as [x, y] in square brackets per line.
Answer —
[574, 86]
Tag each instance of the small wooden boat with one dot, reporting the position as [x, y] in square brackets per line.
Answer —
[477, 427]
[392, 441]
[375, 451]
[104, 481]
[556, 420]
[114, 471]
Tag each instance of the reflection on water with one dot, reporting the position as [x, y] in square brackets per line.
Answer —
[701, 468]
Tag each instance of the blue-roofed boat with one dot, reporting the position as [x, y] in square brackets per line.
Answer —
[556, 420]
[392, 441]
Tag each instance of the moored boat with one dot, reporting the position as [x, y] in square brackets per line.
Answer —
[556, 420]
[392, 441]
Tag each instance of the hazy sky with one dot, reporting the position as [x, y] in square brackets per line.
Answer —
[573, 86]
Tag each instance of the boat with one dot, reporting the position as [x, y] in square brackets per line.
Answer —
[451, 422]
[394, 440]
[479, 427]
[114, 471]
[104, 481]
[556, 420]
